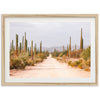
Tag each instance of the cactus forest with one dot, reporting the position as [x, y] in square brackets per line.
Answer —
[68, 55]
[23, 56]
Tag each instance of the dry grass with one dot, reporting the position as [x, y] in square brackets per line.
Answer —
[82, 64]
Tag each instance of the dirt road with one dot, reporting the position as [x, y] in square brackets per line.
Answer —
[50, 67]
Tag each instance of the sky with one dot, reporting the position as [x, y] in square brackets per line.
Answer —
[51, 34]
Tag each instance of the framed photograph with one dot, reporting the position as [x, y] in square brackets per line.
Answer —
[52, 49]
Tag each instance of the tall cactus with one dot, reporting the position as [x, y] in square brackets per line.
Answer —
[63, 49]
[35, 54]
[23, 43]
[41, 47]
[32, 49]
[70, 43]
[16, 44]
[28, 51]
[26, 45]
[75, 47]
[81, 41]
[70, 48]
[12, 47]
[67, 50]
[54, 52]
[20, 47]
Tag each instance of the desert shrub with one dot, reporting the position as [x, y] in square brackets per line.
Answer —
[19, 62]
[76, 54]
[39, 60]
[58, 58]
[69, 62]
[47, 53]
[16, 63]
[80, 66]
[30, 62]
[86, 53]
[37, 51]
[44, 56]
[88, 62]
[12, 52]
[72, 64]
[87, 69]
[64, 53]
[60, 55]
[64, 56]
[41, 55]
[55, 53]
[80, 60]
[75, 63]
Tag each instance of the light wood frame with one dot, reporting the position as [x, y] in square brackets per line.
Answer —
[49, 15]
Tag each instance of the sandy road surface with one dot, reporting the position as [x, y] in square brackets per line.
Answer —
[50, 67]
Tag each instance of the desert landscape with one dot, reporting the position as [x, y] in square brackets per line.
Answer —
[36, 61]
[50, 67]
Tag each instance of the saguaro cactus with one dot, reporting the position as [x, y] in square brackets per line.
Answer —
[70, 48]
[12, 47]
[23, 43]
[67, 50]
[41, 47]
[26, 45]
[20, 47]
[81, 41]
[28, 51]
[32, 49]
[63, 49]
[35, 54]
[75, 47]
[54, 52]
[16, 44]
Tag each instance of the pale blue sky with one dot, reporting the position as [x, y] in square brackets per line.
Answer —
[51, 34]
